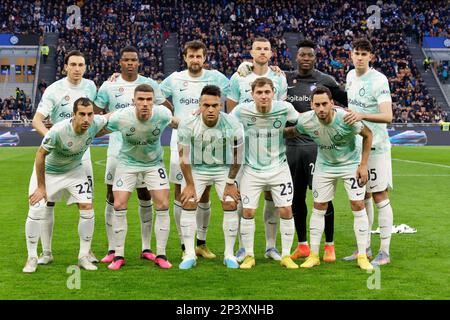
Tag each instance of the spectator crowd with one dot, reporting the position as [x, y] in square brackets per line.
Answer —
[228, 29]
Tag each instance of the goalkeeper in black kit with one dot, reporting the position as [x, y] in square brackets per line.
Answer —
[302, 151]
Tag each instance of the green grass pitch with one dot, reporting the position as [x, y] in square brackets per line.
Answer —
[419, 270]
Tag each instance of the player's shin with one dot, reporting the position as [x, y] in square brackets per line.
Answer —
[85, 231]
[271, 218]
[188, 226]
[203, 217]
[368, 203]
[177, 216]
[109, 212]
[146, 216]
[385, 221]
[287, 229]
[247, 230]
[33, 229]
[316, 227]
[120, 227]
[162, 228]
[230, 228]
[360, 226]
[47, 228]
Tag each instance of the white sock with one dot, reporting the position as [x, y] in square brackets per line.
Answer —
[369, 209]
[203, 216]
[188, 224]
[47, 228]
[33, 230]
[287, 230]
[316, 227]
[271, 219]
[177, 216]
[360, 225]
[109, 212]
[385, 221]
[239, 212]
[248, 235]
[162, 228]
[85, 231]
[230, 227]
[146, 215]
[120, 227]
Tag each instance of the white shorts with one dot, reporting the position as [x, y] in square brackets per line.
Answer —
[380, 172]
[110, 172]
[74, 186]
[278, 182]
[324, 186]
[152, 178]
[176, 175]
[201, 181]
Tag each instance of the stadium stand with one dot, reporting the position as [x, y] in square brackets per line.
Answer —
[228, 29]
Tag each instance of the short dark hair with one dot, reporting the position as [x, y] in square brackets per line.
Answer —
[73, 53]
[143, 88]
[362, 44]
[320, 89]
[194, 45]
[306, 43]
[211, 90]
[260, 82]
[129, 49]
[82, 102]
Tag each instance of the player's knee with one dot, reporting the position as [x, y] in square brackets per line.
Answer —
[86, 214]
[143, 194]
[120, 205]
[190, 205]
[321, 205]
[357, 205]
[85, 206]
[285, 212]
[368, 195]
[380, 196]
[229, 205]
[248, 213]
[161, 203]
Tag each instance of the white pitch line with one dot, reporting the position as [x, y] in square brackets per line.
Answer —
[101, 163]
[426, 163]
[421, 175]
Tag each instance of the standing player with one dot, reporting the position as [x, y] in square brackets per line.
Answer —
[301, 151]
[140, 157]
[210, 147]
[116, 95]
[266, 167]
[369, 100]
[185, 87]
[339, 156]
[241, 92]
[57, 104]
[59, 172]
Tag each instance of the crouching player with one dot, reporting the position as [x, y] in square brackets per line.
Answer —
[210, 149]
[59, 172]
[339, 156]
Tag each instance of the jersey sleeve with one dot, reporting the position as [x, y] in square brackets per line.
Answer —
[113, 122]
[92, 91]
[102, 99]
[282, 94]
[236, 112]
[238, 134]
[159, 96]
[47, 102]
[223, 83]
[292, 115]
[381, 90]
[49, 141]
[99, 122]
[234, 92]
[166, 86]
[184, 133]
[300, 124]
[357, 127]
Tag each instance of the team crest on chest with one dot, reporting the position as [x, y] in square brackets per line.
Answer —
[277, 124]
[88, 142]
[67, 98]
[156, 132]
[362, 92]
[338, 137]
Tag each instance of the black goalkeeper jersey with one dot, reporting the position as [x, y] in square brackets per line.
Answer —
[299, 94]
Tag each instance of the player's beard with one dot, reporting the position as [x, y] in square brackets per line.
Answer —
[195, 68]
